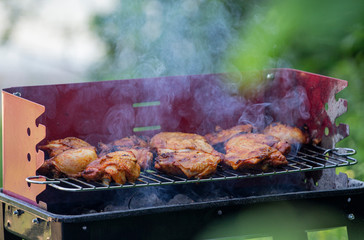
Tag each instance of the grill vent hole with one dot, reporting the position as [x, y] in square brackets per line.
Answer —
[29, 157]
[28, 131]
[326, 106]
[327, 131]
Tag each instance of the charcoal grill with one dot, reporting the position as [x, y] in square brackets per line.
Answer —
[38, 207]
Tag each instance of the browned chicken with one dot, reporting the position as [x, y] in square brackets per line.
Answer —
[185, 154]
[269, 140]
[58, 146]
[135, 144]
[70, 162]
[244, 153]
[120, 166]
[191, 163]
[176, 141]
[286, 133]
[222, 135]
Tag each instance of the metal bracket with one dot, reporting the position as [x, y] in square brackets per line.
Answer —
[47, 180]
[341, 151]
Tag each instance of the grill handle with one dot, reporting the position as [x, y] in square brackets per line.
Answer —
[36, 180]
[341, 151]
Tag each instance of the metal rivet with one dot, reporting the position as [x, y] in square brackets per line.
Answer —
[351, 217]
[35, 221]
[270, 76]
[18, 212]
[84, 228]
[349, 199]
[219, 212]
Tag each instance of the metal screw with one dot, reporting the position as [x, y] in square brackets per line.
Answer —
[84, 228]
[18, 212]
[270, 76]
[35, 221]
[351, 216]
[219, 212]
[17, 94]
[349, 199]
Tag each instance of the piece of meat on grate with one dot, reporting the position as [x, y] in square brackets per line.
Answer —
[185, 154]
[292, 135]
[269, 140]
[70, 162]
[138, 145]
[244, 152]
[222, 135]
[58, 146]
[120, 166]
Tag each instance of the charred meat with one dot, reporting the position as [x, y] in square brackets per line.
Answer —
[292, 135]
[269, 140]
[120, 166]
[246, 153]
[185, 154]
[137, 145]
[178, 141]
[58, 146]
[191, 163]
[222, 135]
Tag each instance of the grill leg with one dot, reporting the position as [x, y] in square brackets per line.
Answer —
[355, 231]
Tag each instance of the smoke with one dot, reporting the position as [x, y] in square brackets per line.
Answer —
[166, 38]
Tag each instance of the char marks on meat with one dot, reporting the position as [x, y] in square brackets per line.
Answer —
[58, 146]
[222, 135]
[120, 166]
[185, 154]
[177, 153]
[138, 145]
[292, 135]
[269, 140]
[246, 152]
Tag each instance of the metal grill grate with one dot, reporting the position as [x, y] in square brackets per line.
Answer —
[309, 158]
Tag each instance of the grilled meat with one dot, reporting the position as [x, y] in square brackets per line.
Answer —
[269, 140]
[222, 135]
[191, 163]
[135, 144]
[70, 162]
[177, 141]
[120, 166]
[244, 152]
[292, 135]
[185, 154]
[58, 146]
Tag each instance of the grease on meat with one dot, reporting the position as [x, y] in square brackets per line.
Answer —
[185, 154]
[120, 166]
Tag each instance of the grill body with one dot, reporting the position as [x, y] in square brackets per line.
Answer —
[105, 111]
[213, 219]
